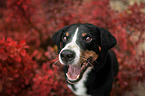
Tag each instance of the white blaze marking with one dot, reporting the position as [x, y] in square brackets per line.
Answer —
[75, 36]
[72, 46]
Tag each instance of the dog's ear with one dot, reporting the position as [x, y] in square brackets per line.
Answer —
[56, 38]
[107, 39]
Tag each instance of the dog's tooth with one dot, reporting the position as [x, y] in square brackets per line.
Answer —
[67, 75]
[78, 76]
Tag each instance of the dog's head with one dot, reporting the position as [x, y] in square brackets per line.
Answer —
[79, 45]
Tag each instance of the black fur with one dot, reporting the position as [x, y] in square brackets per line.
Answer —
[100, 79]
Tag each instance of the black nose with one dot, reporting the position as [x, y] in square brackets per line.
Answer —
[67, 55]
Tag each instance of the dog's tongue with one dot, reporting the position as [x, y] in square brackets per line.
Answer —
[74, 71]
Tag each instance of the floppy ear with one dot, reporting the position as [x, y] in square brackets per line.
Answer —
[107, 39]
[56, 38]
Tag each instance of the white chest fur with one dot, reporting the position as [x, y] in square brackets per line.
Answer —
[81, 90]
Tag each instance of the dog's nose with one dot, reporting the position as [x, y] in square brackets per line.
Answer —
[67, 55]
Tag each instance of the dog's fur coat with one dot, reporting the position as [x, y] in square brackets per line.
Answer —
[87, 44]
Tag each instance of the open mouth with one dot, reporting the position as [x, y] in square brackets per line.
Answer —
[75, 72]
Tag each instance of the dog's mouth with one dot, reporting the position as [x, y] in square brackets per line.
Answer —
[75, 72]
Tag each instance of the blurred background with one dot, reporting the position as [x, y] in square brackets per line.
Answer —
[28, 58]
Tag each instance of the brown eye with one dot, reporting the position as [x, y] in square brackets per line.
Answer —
[88, 39]
[64, 38]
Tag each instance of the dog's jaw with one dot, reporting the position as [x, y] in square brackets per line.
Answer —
[81, 90]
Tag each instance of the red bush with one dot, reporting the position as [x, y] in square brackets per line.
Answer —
[28, 70]
[16, 67]
[49, 82]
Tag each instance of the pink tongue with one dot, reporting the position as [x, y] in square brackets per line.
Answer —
[74, 71]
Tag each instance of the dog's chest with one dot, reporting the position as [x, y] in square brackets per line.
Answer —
[80, 85]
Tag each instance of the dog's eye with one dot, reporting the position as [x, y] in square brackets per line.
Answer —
[88, 39]
[64, 38]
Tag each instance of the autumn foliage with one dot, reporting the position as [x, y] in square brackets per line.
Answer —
[28, 58]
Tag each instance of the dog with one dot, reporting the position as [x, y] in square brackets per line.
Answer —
[89, 64]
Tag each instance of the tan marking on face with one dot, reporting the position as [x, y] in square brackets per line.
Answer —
[85, 54]
[99, 48]
[67, 34]
[84, 34]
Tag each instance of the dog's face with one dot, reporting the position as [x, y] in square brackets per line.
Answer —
[79, 45]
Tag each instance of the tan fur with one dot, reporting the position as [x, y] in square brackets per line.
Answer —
[67, 34]
[84, 34]
[99, 48]
[86, 54]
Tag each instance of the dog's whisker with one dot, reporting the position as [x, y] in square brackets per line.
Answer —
[88, 62]
[56, 63]
[96, 62]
